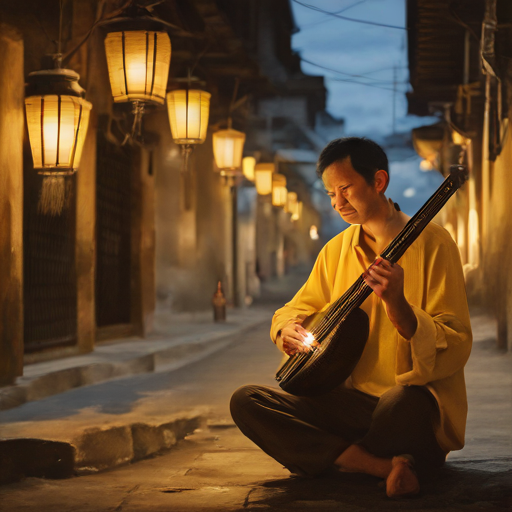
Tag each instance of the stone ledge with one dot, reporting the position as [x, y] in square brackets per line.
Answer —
[93, 449]
[165, 358]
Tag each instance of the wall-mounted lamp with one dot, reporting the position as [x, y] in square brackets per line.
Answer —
[263, 178]
[188, 110]
[291, 202]
[228, 147]
[57, 121]
[279, 191]
[138, 52]
[248, 164]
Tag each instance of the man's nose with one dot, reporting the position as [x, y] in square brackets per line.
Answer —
[340, 201]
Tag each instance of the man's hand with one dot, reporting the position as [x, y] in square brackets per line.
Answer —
[387, 281]
[293, 336]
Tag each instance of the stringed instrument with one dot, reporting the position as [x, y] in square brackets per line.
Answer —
[342, 329]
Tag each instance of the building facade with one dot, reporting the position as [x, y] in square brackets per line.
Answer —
[139, 235]
[460, 68]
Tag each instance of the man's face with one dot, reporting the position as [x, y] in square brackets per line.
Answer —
[351, 196]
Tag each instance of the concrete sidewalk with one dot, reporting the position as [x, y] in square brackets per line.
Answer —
[178, 340]
[77, 434]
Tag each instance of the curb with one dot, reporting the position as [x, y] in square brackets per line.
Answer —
[175, 356]
[93, 449]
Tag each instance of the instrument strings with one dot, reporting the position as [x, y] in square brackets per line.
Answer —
[360, 291]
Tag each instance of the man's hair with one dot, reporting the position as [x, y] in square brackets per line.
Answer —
[366, 156]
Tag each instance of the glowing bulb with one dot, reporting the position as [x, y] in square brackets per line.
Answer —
[309, 339]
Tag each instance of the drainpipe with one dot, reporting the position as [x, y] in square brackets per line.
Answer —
[488, 63]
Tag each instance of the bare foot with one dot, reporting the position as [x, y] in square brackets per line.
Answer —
[402, 481]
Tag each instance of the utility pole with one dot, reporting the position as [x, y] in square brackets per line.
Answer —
[394, 97]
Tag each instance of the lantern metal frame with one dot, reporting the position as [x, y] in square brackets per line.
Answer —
[188, 146]
[136, 18]
[59, 82]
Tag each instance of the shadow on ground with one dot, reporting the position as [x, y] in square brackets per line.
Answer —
[464, 486]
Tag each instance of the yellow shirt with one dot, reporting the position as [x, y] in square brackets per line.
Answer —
[440, 347]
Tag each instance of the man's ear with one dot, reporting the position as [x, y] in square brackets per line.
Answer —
[381, 180]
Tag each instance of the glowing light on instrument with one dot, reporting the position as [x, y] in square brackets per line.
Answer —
[426, 165]
[309, 339]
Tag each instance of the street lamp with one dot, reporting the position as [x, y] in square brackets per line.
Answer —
[279, 191]
[228, 147]
[138, 51]
[248, 164]
[263, 178]
[188, 111]
[138, 64]
[57, 121]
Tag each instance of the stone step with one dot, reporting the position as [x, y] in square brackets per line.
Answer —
[62, 449]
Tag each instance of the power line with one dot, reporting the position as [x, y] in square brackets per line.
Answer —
[352, 76]
[312, 7]
[364, 83]
[335, 70]
[330, 19]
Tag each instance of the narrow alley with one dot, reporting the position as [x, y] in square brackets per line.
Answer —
[215, 468]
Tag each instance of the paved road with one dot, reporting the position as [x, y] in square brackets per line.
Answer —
[217, 469]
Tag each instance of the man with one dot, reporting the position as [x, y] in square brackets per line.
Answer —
[404, 406]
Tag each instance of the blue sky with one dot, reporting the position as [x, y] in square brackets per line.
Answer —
[376, 55]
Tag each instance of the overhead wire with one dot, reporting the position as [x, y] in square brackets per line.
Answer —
[350, 75]
[330, 18]
[365, 22]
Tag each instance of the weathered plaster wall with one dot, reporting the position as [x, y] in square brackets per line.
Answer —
[11, 204]
[498, 250]
[190, 242]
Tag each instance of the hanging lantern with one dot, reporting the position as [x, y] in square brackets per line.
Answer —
[188, 111]
[279, 191]
[57, 120]
[291, 202]
[248, 164]
[138, 65]
[138, 51]
[296, 211]
[228, 147]
[263, 178]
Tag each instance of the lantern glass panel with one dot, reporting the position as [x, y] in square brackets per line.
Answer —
[297, 211]
[57, 126]
[263, 178]
[279, 191]
[138, 65]
[188, 115]
[248, 164]
[279, 196]
[291, 202]
[228, 146]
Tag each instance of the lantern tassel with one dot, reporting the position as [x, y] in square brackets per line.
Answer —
[186, 149]
[53, 196]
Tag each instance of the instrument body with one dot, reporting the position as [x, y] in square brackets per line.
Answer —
[342, 329]
[343, 351]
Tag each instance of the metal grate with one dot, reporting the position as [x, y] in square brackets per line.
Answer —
[50, 295]
[113, 272]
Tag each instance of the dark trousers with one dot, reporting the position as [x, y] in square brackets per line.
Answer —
[307, 435]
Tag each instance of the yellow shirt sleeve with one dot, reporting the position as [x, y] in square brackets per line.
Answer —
[442, 342]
